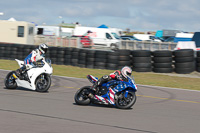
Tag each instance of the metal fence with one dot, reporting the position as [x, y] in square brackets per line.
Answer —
[57, 41]
[146, 45]
[125, 44]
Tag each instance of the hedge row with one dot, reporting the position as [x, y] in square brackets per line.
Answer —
[179, 61]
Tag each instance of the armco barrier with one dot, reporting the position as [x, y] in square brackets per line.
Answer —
[181, 61]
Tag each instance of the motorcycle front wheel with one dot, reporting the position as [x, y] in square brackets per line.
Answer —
[123, 102]
[9, 81]
[81, 96]
[43, 83]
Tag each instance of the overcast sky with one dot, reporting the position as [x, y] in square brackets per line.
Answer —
[137, 15]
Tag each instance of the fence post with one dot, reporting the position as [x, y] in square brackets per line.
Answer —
[151, 47]
[78, 43]
[134, 45]
[159, 46]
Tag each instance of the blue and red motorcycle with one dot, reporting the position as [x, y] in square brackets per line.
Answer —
[120, 94]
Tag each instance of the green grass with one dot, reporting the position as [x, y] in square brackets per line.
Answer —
[149, 78]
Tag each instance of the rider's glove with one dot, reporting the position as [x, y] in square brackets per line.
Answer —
[35, 63]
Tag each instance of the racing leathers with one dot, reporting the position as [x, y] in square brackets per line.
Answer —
[32, 58]
[116, 75]
[29, 62]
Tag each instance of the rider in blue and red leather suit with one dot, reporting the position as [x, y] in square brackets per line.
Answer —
[116, 75]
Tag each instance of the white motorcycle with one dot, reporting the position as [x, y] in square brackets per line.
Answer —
[37, 78]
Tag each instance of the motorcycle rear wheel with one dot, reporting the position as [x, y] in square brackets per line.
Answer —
[9, 81]
[81, 96]
[126, 102]
[43, 83]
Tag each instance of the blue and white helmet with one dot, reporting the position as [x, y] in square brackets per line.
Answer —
[43, 48]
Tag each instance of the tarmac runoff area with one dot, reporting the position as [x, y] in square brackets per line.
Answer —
[157, 110]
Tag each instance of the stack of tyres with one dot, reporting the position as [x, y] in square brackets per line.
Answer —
[53, 54]
[100, 59]
[141, 60]
[2, 51]
[67, 56]
[112, 60]
[60, 56]
[90, 58]
[13, 52]
[162, 61]
[48, 53]
[124, 58]
[184, 61]
[74, 56]
[82, 57]
[20, 53]
[7, 54]
[27, 50]
[198, 61]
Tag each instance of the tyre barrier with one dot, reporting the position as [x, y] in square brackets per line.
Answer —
[60, 56]
[141, 60]
[67, 56]
[90, 58]
[82, 58]
[74, 56]
[113, 60]
[2, 51]
[198, 61]
[124, 58]
[182, 61]
[162, 61]
[100, 59]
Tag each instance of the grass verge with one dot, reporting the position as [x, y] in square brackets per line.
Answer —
[149, 78]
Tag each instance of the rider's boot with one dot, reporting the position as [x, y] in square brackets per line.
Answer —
[19, 73]
[97, 85]
[94, 90]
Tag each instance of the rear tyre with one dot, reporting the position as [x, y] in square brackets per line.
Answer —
[10, 82]
[126, 102]
[81, 96]
[43, 83]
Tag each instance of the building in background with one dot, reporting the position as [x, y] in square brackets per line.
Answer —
[18, 32]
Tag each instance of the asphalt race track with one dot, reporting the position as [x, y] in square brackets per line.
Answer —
[157, 110]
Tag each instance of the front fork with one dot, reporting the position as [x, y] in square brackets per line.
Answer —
[42, 78]
[122, 95]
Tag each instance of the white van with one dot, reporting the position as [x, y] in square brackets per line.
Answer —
[100, 36]
[146, 37]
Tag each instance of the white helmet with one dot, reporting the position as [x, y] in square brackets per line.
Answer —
[43, 48]
[126, 71]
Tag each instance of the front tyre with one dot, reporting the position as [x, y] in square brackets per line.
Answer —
[123, 102]
[43, 83]
[9, 81]
[81, 96]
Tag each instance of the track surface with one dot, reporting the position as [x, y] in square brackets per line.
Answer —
[157, 110]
